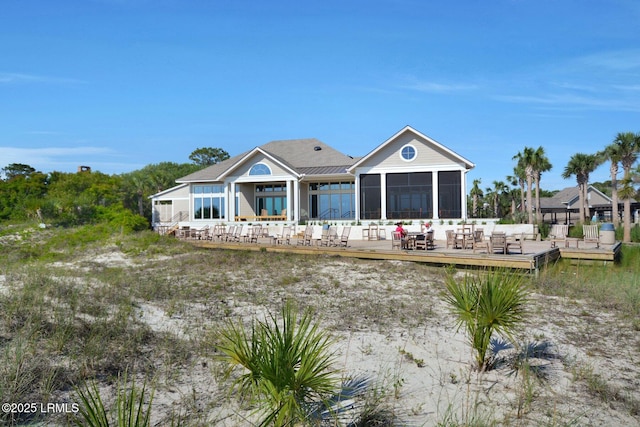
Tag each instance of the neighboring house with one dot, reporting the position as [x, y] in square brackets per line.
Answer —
[567, 201]
[408, 176]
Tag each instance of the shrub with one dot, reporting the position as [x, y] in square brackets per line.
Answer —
[286, 366]
[491, 302]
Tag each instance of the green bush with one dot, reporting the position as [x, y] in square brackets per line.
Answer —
[286, 365]
[494, 301]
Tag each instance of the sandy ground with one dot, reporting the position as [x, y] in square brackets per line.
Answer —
[392, 327]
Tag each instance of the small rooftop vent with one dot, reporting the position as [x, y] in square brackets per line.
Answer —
[317, 148]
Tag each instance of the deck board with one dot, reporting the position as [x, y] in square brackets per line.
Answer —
[536, 256]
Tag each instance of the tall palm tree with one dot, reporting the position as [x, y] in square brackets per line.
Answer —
[476, 193]
[499, 187]
[629, 146]
[519, 178]
[612, 153]
[540, 164]
[581, 165]
[526, 161]
[627, 192]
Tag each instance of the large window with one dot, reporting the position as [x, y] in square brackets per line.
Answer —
[409, 195]
[332, 200]
[271, 199]
[208, 201]
[449, 194]
[370, 196]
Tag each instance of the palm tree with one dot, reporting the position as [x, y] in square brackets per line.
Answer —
[519, 178]
[613, 153]
[629, 146]
[627, 192]
[581, 165]
[475, 193]
[526, 162]
[540, 164]
[499, 187]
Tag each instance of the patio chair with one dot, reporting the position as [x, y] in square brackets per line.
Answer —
[305, 240]
[344, 237]
[254, 232]
[237, 233]
[558, 234]
[371, 232]
[590, 234]
[498, 242]
[481, 242]
[421, 242]
[328, 236]
[514, 243]
[451, 239]
[396, 240]
[285, 237]
[228, 235]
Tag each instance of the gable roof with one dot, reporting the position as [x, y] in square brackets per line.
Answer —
[467, 163]
[301, 156]
[567, 197]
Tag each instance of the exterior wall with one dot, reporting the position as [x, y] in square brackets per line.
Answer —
[245, 200]
[304, 201]
[427, 156]
[243, 170]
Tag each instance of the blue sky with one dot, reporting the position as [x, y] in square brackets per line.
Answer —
[119, 84]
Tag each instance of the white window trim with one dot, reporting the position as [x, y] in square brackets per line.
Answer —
[415, 153]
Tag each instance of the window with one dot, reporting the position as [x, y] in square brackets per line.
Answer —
[272, 198]
[208, 201]
[260, 169]
[332, 200]
[370, 196]
[408, 153]
[409, 195]
[449, 194]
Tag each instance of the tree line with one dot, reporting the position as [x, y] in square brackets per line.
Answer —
[85, 197]
[514, 200]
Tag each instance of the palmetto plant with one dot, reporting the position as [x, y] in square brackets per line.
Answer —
[494, 301]
[132, 406]
[286, 365]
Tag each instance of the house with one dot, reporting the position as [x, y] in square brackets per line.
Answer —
[409, 176]
[567, 202]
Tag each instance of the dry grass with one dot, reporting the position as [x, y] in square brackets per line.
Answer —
[153, 307]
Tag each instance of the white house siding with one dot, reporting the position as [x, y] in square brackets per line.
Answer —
[426, 155]
[276, 169]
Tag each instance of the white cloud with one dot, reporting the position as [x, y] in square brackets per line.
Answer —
[17, 78]
[434, 87]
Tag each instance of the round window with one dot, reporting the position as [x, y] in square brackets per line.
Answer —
[408, 153]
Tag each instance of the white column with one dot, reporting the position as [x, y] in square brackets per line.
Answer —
[434, 183]
[357, 198]
[383, 196]
[296, 202]
[464, 195]
[289, 201]
[231, 201]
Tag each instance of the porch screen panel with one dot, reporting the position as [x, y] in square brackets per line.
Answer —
[370, 203]
[449, 194]
[409, 195]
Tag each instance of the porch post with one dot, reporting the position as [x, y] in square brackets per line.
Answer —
[436, 195]
[231, 202]
[289, 201]
[464, 195]
[296, 202]
[356, 199]
[383, 196]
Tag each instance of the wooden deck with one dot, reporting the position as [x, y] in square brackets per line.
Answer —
[536, 254]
